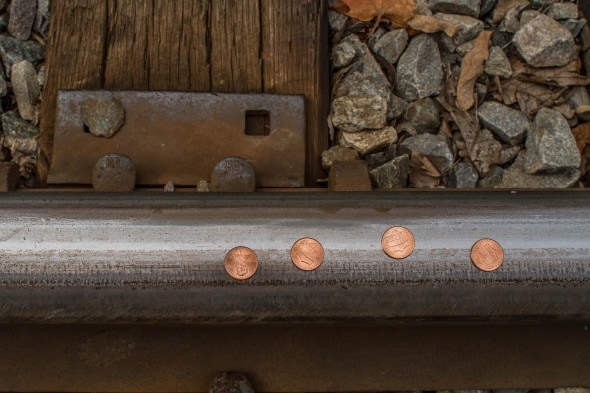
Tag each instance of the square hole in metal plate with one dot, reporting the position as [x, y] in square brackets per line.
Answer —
[257, 123]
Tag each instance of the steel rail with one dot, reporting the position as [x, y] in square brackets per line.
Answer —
[143, 257]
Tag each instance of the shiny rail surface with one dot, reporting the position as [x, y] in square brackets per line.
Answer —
[143, 258]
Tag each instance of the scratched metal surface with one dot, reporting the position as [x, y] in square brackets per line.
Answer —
[148, 258]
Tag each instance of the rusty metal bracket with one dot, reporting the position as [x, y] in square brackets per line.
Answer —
[179, 137]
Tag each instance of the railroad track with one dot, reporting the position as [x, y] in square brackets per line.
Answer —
[86, 276]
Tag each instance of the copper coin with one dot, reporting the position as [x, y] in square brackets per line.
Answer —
[241, 263]
[487, 255]
[398, 242]
[307, 254]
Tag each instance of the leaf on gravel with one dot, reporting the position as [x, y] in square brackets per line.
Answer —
[544, 95]
[471, 69]
[504, 6]
[399, 12]
[582, 135]
[566, 76]
[487, 151]
[428, 24]
[423, 173]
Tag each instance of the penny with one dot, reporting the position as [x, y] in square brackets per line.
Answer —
[398, 242]
[307, 254]
[487, 255]
[241, 263]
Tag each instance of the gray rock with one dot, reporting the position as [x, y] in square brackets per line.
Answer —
[463, 175]
[22, 16]
[550, 144]
[41, 76]
[543, 42]
[19, 136]
[14, 51]
[468, 27]
[562, 11]
[494, 178]
[509, 124]
[527, 16]
[572, 390]
[103, 117]
[517, 177]
[41, 24]
[3, 5]
[26, 90]
[203, 186]
[394, 174]
[463, 7]
[231, 383]
[424, 115]
[337, 20]
[376, 159]
[464, 49]
[536, 4]
[419, 70]
[170, 187]
[511, 22]
[435, 147]
[498, 63]
[367, 142]
[398, 107]
[575, 26]
[343, 54]
[391, 45]
[364, 95]
[487, 6]
[338, 153]
[355, 114]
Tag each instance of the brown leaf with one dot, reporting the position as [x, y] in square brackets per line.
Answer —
[544, 95]
[582, 135]
[428, 24]
[423, 173]
[504, 6]
[565, 76]
[472, 68]
[399, 12]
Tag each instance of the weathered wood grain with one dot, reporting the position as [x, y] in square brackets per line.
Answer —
[178, 46]
[295, 41]
[126, 65]
[242, 46]
[75, 60]
[236, 65]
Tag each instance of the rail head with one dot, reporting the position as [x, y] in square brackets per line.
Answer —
[143, 257]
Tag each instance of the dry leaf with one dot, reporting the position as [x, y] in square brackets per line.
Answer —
[423, 173]
[471, 69]
[582, 135]
[428, 24]
[504, 6]
[487, 151]
[399, 12]
[566, 76]
[544, 95]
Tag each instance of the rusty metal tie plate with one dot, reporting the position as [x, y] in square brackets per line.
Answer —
[179, 137]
